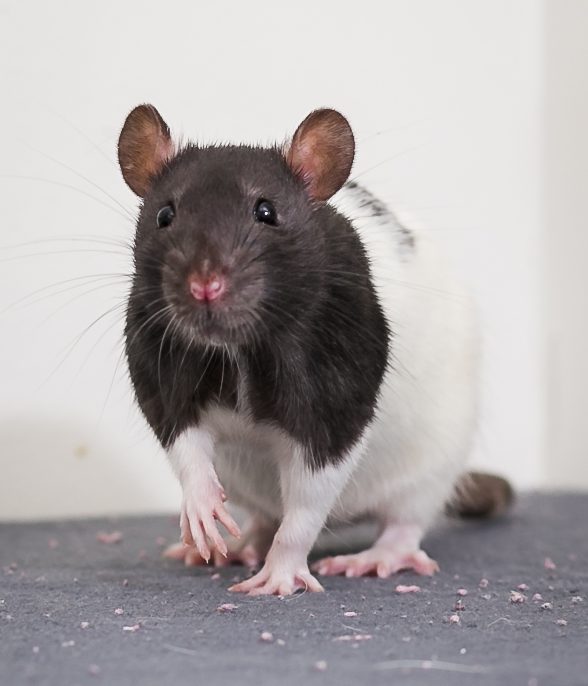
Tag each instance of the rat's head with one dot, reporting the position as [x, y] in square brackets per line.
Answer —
[231, 240]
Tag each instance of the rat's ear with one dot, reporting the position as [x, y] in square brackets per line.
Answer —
[321, 152]
[144, 146]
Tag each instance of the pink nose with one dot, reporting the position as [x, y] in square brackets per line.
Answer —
[206, 288]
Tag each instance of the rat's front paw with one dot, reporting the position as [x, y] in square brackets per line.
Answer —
[201, 507]
[280, 579]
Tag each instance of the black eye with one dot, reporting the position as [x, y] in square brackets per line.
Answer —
[165, 216]
[265, 212]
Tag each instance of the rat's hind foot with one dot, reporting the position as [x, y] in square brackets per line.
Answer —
[397, 549]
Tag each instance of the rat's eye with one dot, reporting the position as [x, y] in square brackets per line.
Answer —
[165, 216]
[264, 211]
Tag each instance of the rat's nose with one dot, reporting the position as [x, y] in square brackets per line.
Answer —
[207, 288]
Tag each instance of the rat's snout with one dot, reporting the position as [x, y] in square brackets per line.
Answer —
[206, 287]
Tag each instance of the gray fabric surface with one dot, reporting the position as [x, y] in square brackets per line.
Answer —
[49, 587]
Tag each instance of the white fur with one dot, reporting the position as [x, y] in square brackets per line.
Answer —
[405, 470]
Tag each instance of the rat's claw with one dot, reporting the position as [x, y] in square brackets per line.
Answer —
[278, 582]
[223, 516]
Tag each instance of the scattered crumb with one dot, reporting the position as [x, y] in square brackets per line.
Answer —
[350, 613]
[119, 611]
[462, 591]
[549, 563]
[353, 637]
[516, 597]
[401, 588]
[226, 607]
[456, 577]
[35, 649]
[320, 666]
[215, 576]
[84, 625]
[483, 583]
[537, 597]
[109, 538]
[125, 582]
[547, 606]
[577, 599]
[94, 670]
[561, 622]
[551, 588]
[454, 619]
[462, 651]
[486, 596]
[266, 637]
[53, 543]
[281, 642]
[523, 587]
[68, 644]
[133, 628]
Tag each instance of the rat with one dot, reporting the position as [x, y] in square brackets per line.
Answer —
[298, 350]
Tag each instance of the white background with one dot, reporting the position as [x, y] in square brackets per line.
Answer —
[470, 114]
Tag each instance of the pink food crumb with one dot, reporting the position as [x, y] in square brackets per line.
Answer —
[350, 613]
[483, 583]
[119, 611]
[577, 599]
[84, 625]
[549, 563]
[401, 588]
[537, 597]
[215, 577]
[125, 582]
[320, 666]
[109, 538]
[53, 543]
[226, 607]
[547, 606]
[454, 619]
[133, 628]
[266, 637]
[516, 597]
[94, 670]
[561, 622]
[523, 587]
[462, 591]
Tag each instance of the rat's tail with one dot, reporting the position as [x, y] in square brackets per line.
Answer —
[480, 495]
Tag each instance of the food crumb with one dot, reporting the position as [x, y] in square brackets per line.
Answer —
[577, 599]
[549, 563]
[94, 670]
[281, 642]
[84, 625]
[462, 651]
[109, 538]
[320, 666]
[266, 637]
[53, 543]
[547, 606]
[462, 591]
[454, 619]
[486, 596]
[517, 598]
[561, 622]
[125, 582]
[119, 611]
[483, 583]
[68, 644]
[350, 613]
[35, 649]
[523, 587]
[226, 607]
[401, 588]
[133, 628]
[215, 577]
